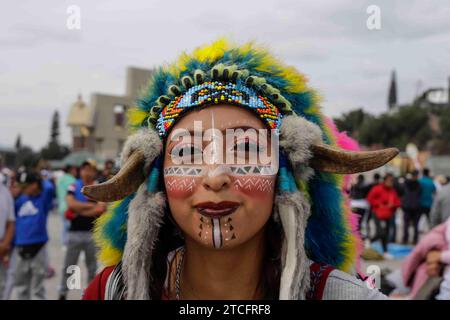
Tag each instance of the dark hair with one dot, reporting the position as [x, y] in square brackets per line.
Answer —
[387, 176]
[426, 172]
[360, 178]
[376, 176]
[28, 177]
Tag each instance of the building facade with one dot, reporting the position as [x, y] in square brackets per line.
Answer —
[100, 127]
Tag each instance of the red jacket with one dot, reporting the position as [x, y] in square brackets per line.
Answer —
[384, 201]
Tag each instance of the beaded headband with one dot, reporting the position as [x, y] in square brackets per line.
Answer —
[218, 92]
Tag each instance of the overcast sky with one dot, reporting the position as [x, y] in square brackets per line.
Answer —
[44, 65]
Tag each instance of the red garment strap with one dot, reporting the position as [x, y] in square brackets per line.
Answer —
[319, 273]
[96, 289]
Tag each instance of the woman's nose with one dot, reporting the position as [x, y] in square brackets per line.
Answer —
[216, 182]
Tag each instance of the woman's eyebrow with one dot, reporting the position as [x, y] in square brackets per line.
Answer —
[224, 130]
[241, 127]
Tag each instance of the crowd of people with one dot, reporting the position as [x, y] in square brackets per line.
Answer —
[419, 205]
[26, 199]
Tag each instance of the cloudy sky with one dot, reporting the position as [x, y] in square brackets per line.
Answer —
[44, 65]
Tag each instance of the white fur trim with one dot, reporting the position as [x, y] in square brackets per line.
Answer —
[148, 141]
[145, 216]
[296, 136]
[294, 211]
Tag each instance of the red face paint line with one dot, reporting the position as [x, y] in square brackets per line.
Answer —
[254, 186]
[180, 187]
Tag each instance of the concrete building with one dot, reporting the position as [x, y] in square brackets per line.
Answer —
[100, 127]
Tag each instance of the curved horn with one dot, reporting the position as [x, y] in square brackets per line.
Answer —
[125, 182]
[334, 160]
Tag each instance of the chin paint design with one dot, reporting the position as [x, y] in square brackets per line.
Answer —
[229, 229]
[216, 232]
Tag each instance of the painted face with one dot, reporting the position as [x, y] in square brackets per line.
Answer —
[220, 178]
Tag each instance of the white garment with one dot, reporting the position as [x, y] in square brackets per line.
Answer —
[6, 209]
[359, 203]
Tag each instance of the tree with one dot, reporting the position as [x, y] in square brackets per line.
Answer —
[394, 129]
[352, 121]
[392, 97]
[18, 144]
[54, 151]
[54, 133]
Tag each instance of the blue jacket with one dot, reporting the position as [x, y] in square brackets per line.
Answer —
[31, 218]
[428, 189]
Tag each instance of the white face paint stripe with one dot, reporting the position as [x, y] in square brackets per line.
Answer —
[218, 171]
[217, 234]
[232, 170]
[215, 153]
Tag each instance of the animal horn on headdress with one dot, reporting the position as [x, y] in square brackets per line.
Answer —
[327, 158]
[125, 182]
[138, 154]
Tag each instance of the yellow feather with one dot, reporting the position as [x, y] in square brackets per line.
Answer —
[136, 116]
[245, 48]
[211, 52]
[110, 256]
[296, 81]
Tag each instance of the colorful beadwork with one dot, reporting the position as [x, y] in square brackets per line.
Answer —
[217, 92]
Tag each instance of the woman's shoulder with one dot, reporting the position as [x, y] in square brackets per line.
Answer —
[343, 286]
[97, 287]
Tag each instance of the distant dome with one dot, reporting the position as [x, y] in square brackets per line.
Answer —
[79, 114]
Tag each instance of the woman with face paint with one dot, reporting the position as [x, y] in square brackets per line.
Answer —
[221, 207]
[230, 188]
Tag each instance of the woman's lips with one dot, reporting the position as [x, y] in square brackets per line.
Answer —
[216, 210]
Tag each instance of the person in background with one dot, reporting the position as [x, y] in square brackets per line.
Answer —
[62, 186]
[82, 213]
[49, 187]
[30, 266]
[3, 177]
[108, 172]
[428, 189]
[7, 226]
[14, 187]
[411, 206]
[375, 181]
[358, 203]
[440, 210]
[384, 201]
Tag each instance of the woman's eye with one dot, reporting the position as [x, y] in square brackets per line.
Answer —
[247, 146]
[186, 153]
